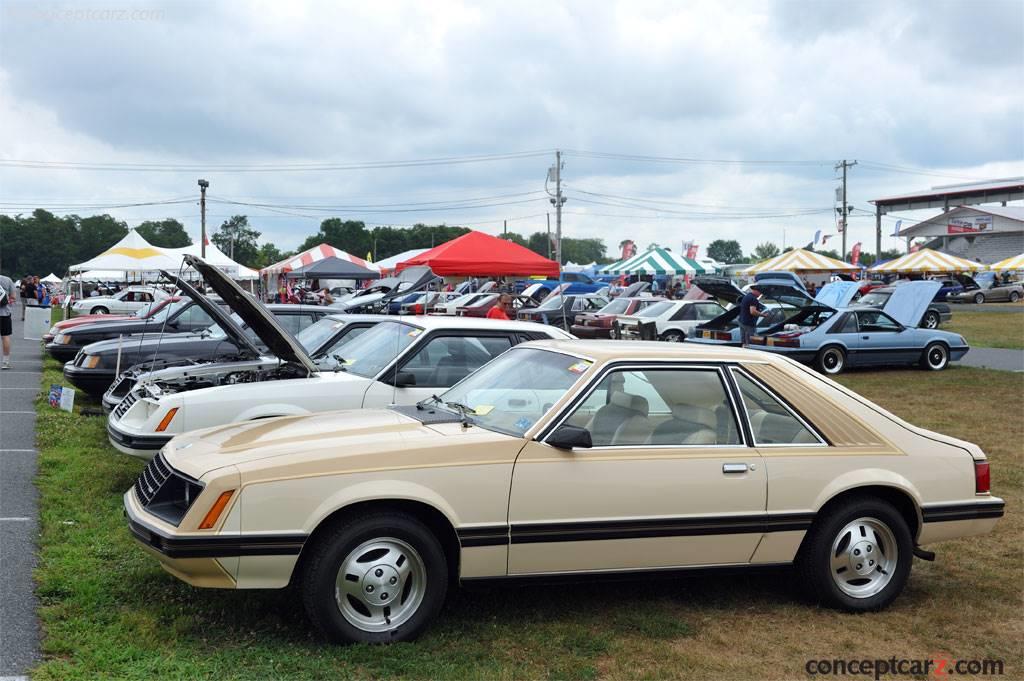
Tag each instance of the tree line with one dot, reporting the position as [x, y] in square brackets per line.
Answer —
[42, 242]
[730, 252]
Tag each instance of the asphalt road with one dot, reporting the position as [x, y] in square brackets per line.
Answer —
[995, 358]
[19, 628]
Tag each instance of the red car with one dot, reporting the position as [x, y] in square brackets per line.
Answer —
[142, 313]
[599, 324]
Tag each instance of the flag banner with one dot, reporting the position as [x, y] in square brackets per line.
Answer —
[691, 250]
[817, 236]
[855, 254]
[825, 238]
[896, 229]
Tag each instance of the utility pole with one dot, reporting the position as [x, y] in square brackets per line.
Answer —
[203, 184]
[504, 229]
[557, 200]
[549, 235]
[844, 211]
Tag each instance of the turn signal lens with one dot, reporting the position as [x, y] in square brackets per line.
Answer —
[91, 362]
[66, 340]
[982, 477]
[214, 513]
[166, 420]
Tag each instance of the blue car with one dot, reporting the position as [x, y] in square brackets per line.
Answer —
[832, 339]
[578, 283]
[782, 298]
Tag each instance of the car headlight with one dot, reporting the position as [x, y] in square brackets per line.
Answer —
[65, 339]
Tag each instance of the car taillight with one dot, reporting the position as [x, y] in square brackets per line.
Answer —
[417, 308]
[982, 477]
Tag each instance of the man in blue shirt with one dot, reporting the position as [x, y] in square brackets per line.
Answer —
[750, 310]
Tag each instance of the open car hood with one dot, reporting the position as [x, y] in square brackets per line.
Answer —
[635, 289]
[257, 317]
[909, 301]
[216, 312]
[837, 294]
[417, 277]
[719, 287]
[967, 281]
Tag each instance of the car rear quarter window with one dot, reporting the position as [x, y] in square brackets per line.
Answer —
[771, 421]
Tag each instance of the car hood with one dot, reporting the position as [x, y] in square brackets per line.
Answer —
[719, 287]
[635, 289]
[909, 301]
[837, 294]
[258, 318]
[417, 278]
[376, 438]
[223, 320]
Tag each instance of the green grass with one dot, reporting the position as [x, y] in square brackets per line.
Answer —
[108, 610]
[989, 329]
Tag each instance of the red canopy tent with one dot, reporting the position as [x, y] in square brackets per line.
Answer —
[477, 254]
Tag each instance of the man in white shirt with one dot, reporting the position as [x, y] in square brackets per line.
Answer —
[6, 304]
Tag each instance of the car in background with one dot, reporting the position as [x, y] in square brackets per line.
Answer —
[402, 360]
[834, 339]
[668, 320]
[377, 296]
[934, 315]
[426, 301]
[451, 307]
[985, 287]
[528, 299]
[142, 313]
[601, 323]
[97, 365]
[180, 317]
[776, 276]
[123, 302]
[562, 459]
[560, 309]
[949, 287]
[780, 299]
[578, 283]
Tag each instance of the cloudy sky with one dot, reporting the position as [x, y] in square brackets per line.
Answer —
[313, 110]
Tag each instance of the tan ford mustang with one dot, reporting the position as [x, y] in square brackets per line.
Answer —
[563, 457]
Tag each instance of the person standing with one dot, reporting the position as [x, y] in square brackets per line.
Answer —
[501, 308]
[28, 292]
[6, 322]
[750, 309]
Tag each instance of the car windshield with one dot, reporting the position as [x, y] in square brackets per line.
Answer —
[151, 310]
[874, 298]
[314, 335]
[169, 310]
[369, 353]
[617, 306]
[551, 303]
[656, 310]
[512, 392]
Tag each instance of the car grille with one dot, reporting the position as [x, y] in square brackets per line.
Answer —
[164, 492]
[122, 387]
[79, 358]
[124, 405]
[154, 475]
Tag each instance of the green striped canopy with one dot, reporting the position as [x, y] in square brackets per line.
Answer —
[655, 261]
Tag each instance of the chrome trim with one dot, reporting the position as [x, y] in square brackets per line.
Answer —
[822, 442]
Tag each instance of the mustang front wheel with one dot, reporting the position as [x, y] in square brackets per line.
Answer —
[858, 556]
[673, 336]
[935, 357]
[379, 579]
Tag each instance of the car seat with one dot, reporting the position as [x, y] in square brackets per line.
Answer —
[689, 425]
[623, 420]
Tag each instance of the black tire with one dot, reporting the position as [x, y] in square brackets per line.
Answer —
[99, 309]
[673, 336]
[931, 320]
[979, 298]
[1014, 296]
[336, 543]
[815, 561]
[830, 360]
[935, 357]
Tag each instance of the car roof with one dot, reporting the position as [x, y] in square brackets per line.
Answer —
[349, 318]
[285, 307]
[604, 350]
[429, 322]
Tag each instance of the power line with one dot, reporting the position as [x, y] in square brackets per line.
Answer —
[690, 160]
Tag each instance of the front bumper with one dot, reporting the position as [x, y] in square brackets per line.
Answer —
[62, 353]
[581, 331]
[93, 381]
[142, 446]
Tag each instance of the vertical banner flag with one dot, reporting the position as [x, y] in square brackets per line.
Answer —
[817, 236]
[855, 254]
[691, 250]
[896, 229]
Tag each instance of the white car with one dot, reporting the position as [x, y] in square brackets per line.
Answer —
[400, 361]
[449, 307]
[125, 301]
[674, 320]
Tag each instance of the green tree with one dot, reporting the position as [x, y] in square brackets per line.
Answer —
[238, 240]
[727, 251]
[268, 254]
[514, 238]
[541, 244]
[96, 234]
[582, 251]
[350, 236]
[868, 259]
[765, 250]
[167, 233]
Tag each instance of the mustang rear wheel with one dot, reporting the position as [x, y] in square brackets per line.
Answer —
[979, 298]
[99, 310]
[935, 357]
[381, 578]
[858, 556]
[673, 336]
[1014, 296]
[830, 360]
[931, 320]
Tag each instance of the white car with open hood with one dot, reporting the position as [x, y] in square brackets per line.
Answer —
[400, 361]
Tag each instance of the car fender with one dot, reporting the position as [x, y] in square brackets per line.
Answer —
[270, 409]
[380, 490]
[868, 477]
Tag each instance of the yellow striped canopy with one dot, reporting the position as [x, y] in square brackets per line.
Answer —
[927, 260]
[800, 260]
[1010, 264]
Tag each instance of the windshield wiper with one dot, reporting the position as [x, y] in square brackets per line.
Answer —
[433, 398]
[340, 363]
[463, 410]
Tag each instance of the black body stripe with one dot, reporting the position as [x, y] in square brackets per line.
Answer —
[218, 546]
[966, 511]
[532, 533]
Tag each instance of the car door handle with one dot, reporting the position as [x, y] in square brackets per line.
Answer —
[866, 337]
[735, 468]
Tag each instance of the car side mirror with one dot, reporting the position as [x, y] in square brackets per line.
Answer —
[404, 379]
[570, 437]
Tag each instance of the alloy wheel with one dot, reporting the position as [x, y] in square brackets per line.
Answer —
[864, 557]
[380, 584]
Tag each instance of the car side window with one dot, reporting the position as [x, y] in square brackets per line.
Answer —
[708, 311]
[876, 321]
[685, 313]
[443, 361]
[848, 324]
[144, 297]
[771, 422]
[195, 317]
[658, 407]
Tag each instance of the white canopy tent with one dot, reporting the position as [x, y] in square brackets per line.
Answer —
[388, 264]
[51, 278]
[131, 254]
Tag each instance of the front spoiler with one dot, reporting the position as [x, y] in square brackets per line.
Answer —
[142, 446]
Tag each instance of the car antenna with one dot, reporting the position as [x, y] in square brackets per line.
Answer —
[163, 325]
